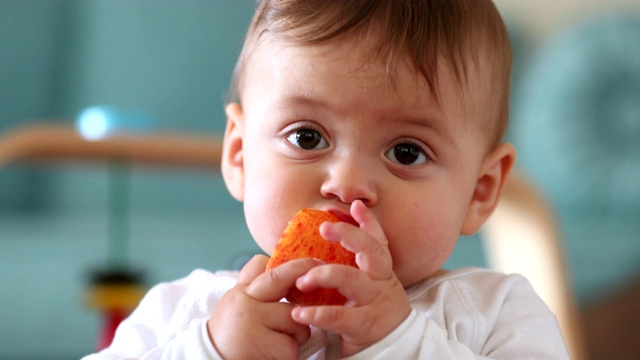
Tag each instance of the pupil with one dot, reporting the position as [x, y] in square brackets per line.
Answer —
[406, 154]
[308, 139]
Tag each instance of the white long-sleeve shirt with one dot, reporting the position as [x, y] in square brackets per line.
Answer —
[464, 314]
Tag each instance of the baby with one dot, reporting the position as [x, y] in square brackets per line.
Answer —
[389, 114]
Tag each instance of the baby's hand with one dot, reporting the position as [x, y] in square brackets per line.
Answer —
[377, 302]
[249, 322]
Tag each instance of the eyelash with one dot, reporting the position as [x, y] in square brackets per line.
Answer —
[411, 147]
[293, 137]
[413, 150]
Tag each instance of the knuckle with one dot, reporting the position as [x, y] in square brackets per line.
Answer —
[352, 275]
[380, 250]
[334, 315]
[274, 275]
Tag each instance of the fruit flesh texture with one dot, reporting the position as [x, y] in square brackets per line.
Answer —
[302, 239]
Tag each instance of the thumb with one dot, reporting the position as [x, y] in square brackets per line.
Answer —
[256, 266]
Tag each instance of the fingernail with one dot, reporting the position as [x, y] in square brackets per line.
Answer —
[301, 280]
[299, 313]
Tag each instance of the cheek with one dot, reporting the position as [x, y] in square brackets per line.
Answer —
[265, 219]
[263, 224]
[271, 199]
[422, 237]
[422, 251]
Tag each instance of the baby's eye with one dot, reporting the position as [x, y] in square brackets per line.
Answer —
[407, 154]
[307, 139]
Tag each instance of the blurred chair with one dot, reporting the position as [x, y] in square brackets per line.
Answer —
[576, 124]
[115, 291]
[53, 142]
[520, 237]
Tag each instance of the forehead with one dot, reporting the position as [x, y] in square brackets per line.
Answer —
[343, 81]
[352, 66]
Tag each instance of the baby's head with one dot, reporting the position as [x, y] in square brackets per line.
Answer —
[398, 104]
[467, 37]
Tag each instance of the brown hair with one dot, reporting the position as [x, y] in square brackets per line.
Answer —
[463, 33]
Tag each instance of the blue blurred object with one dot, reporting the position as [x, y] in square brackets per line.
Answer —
[96, 122]
[576, 124]
[577, 116]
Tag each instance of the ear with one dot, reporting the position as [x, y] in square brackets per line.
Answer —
[232, 164]
[495, 170]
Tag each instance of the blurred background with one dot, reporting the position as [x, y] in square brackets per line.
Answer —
[164, 66]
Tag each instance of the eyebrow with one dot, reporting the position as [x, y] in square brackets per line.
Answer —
[429, 121]
[301, 100]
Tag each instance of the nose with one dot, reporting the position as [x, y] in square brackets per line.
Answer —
[350, 178]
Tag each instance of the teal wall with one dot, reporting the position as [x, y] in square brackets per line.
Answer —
[172, 61]
[28, 33]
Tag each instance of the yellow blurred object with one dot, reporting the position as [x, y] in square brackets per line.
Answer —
[107, 297]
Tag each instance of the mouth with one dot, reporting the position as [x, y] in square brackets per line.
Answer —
[344, 217]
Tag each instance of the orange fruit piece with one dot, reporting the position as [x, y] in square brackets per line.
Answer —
[302, 239]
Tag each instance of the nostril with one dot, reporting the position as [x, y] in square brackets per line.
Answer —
[350, 180]
[347, 194]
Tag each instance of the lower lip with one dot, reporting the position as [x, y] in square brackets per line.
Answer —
[345, 218]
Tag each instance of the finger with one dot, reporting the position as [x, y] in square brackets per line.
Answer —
[373, 321]
[368, 222]
[372, 256]
[338, 319]
[272, 331]
[380, 258]
[279, 319]
[253, 269]
[274, 284]
[354, 284]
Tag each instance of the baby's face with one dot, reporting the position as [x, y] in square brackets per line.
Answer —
[325, 125]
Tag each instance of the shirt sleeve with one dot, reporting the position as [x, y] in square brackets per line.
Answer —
[192, 343]
[169, 323]
[509, 323]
